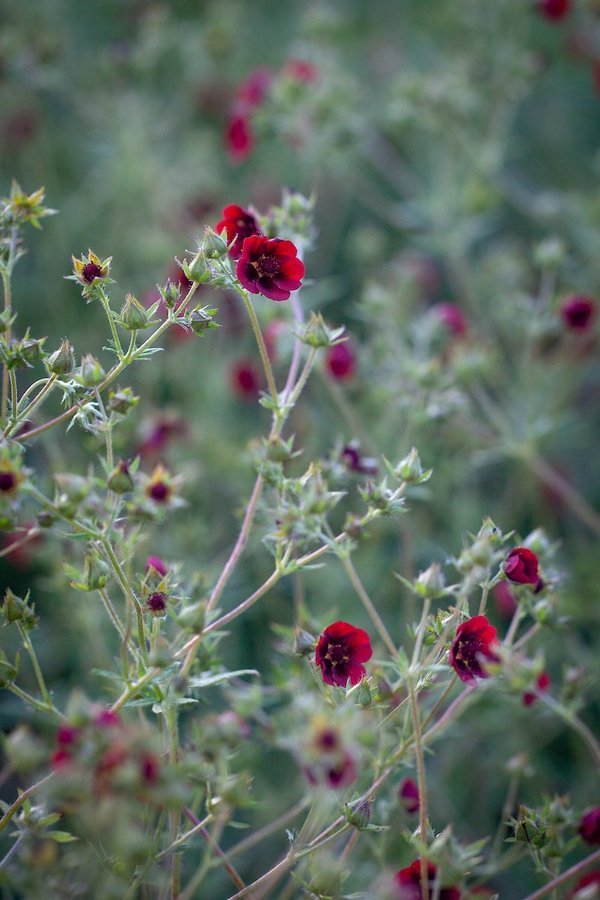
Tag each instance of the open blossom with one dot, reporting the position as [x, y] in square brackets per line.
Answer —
[589, 826]
[521, 566]
[474, 642]
[408, 883]
[237, 223]
[578, 313]
[270, 266]
[245, 379]
[341, 651]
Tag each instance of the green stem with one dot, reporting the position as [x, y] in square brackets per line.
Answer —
[564, 876]
[33, 701]
[418, 737]
[421, 632]
[574, 721]
[129, 594]
[24, 413]
[36, 666]
[14, 393]
[368, 604]
[109, 315]
[261, 347]
[23, 796]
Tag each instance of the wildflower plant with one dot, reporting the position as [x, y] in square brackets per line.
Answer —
[289, 636]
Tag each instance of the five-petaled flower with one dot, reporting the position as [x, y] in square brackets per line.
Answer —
[521, 566]
[474, 642]
[589, 825]
[270, 266]
[408, 883]
[238, 223]
[578, 313]
[341, 651]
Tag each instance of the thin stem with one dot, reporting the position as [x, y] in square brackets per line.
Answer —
[14, 393]
[565, 491]
[109, 315]
[420, 632]
[574, 721]
[368, 604]
[174, 815]
[36, 666]
[564, 876]
[129, 594]
[298, 314]
[199, 827]
[40, 705]
[134, 689]
[261, 347]
[24, 413]
[12, 850]
[113, 616]
[268, 880]
[28, 536]
[416, 720]
[6, 277]
[23, 796]
[184, 838]
[265, 832]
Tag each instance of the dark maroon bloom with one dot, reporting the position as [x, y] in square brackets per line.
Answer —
[554, 10]
[8, 482]
[270, 266]
[542, 684]
[408, 881]
[473, 643]
[253, 90]
[452, 317]
[239, 139]
[341, 651]
[149, 768]
[343, 773]
[301, 70]
[160, 433]
[107, 719]
[363, 465]
[238, 223]
[409, 795]
[159, 491]
[578, 313]
[328, 740]
[91, 271]
[245, 379]
[340, 361]
[157, 603]
[589, 826]
[156, 563]
[67, 735]
[521, 566]
[504, 600]
[586, 882]
[60, 758]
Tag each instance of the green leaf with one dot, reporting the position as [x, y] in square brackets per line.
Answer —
[207, 680]
[61, 837]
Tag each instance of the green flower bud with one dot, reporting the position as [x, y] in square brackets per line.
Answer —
[133, 315]
[358, 813]
[120, 480]
[122, 400]
[304, 643]
[62, 361]
[16, 609]
[410, 469]
[201, 320]
[91, 372]
[430, 583]
[213, 245]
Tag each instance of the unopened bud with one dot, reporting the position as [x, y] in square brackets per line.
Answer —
[410, 469]
[358, 813]
[91, 372]
[304, 642]
[431, 583]
[213, 245]
[120, 480]
[133, 315]
[62, 361]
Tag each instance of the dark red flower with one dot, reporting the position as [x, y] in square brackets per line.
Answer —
[343, 773]
[504, 600]
[270, 266]
[107, 719]
[408, 881]
[253, 90]
[8, 482]
[340, 361]
[589, 826]
[521, 566]
[245, 379]
[67, 735]
[60, 758]
[363, 465]
[157, 603]
[301, 70]
[160, 433]
[91, 271]
[341, 651]
[473, 643]
[452, 317]
[586, 882]
[149, 768]
[239, 139]
[542, 684]
[554, 10]
[238, 223]
[409, 795]
[578, 313]
[157, 565]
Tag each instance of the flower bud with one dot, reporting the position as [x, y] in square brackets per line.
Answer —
[160, 655]
[133, 315]
[120, 480]
[358, 813]
[201, 320]
[192, 617]
[62, 361]
[410, 469]
[122, 400]
[431, 583]
[91, 372]
[213, 245]
[304, 643]
[16, 609]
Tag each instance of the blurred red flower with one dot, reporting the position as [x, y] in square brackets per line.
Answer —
[408, 880]
[340, 361]
[238, 223]
[521, 566]
[473, 643]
